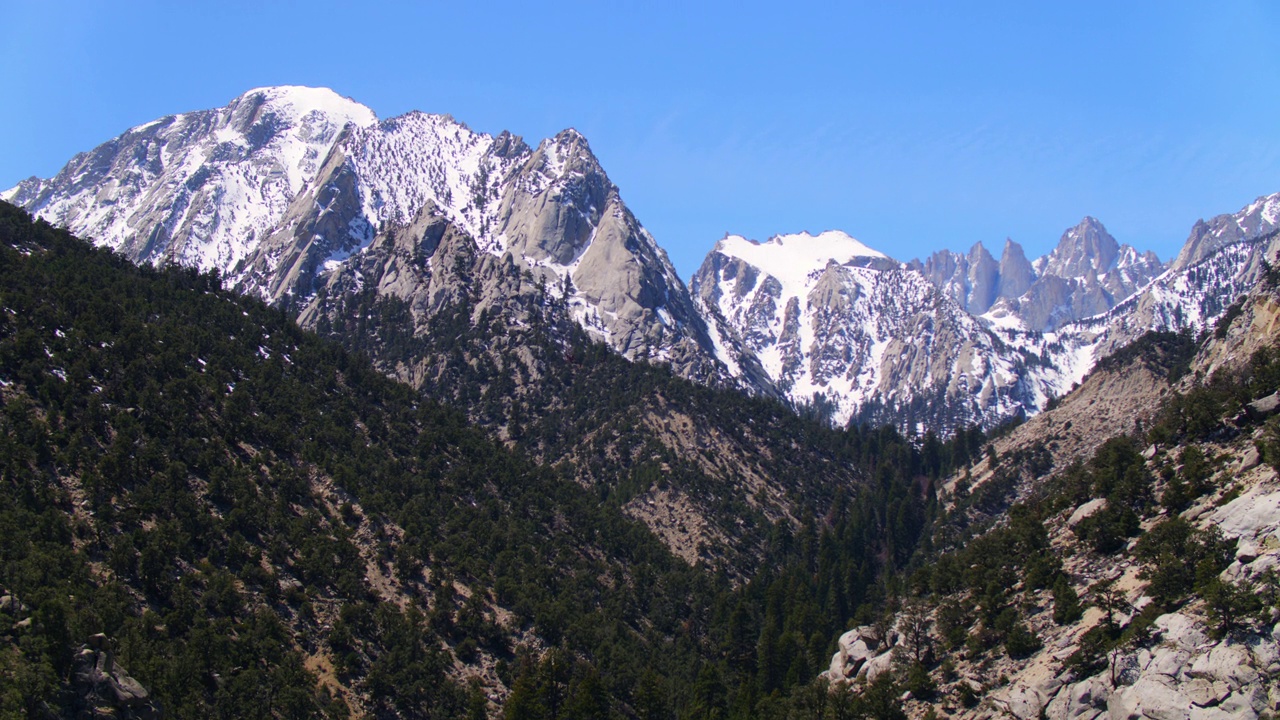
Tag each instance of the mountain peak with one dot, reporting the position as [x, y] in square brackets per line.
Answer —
[298, 101]
[1082, 249]
[569, 135]
[790, 258]
[1207, 237]
[1016, 272]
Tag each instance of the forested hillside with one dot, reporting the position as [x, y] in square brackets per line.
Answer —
[1117, 554]
[208, 511]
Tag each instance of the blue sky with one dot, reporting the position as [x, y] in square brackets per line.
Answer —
[913, 126]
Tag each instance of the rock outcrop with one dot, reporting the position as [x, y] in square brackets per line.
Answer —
[105, 688]
[863, 655]
[1088, 273]
[974, 280]
[1182, 674]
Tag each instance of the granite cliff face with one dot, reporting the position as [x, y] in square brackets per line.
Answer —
[1214, 270]
[1086, 274]
[972, 280]
[1260, 218]
[976, 281]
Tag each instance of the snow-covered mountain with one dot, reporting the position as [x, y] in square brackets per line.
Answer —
[848, 330]
[961, 338]
[286, 185]
[301, 197]
[200, 188]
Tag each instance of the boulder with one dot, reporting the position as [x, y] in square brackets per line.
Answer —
[1264, 407]
[1248, 703]
[861, 641]
[1169, 661]
[1249, 460]
[856, 647]
[1126, 669]
[876, 666]
[1048, 686]
[1266, 560]
[847, 639]
[127, 691]
[108, 687]
[1025, 703]
[1231, 664]
[1152, 696]
[10, 604]
[1084, 699]
[1264, 649]
[836, 670]
[1210, 713]
[1205, 693]
[1085, 510]
[1248, 551]
[1181, 630]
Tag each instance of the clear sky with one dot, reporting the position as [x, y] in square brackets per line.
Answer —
[912, 126]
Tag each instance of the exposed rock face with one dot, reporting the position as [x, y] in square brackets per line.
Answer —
[1085, 248]
[551, 212]
[972, 280]
[1207, 238]
[849, 331]
[1186, 665]
[1208, 276]
[1016, 272]
[1183, 674]
[862, 655]
[1086, 274]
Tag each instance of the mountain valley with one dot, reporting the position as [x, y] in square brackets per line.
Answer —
[337, 416]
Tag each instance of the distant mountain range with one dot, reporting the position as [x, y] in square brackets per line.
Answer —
[301, 197]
